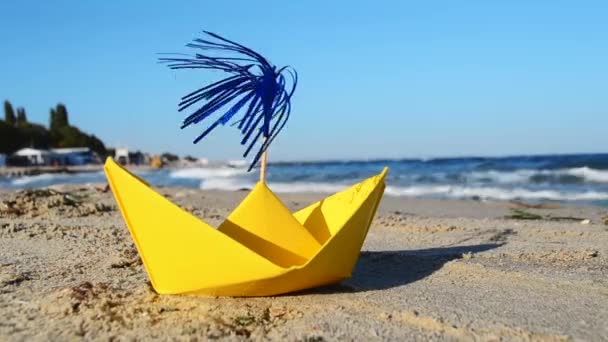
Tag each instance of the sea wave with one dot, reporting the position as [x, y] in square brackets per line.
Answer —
[47, 179]
[579, 175]
[559, 176]
[493, 185]
[230, 184]
[204, 173]
[539, 178]
[495, 193]
[306, 187]
[26, 180]
[593, 175]
[438, 191]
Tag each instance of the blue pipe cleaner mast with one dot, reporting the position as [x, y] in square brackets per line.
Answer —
[255, 88]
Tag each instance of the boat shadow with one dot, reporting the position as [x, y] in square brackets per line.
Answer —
[379, 270]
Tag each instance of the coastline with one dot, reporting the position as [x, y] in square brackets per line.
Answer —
[578, 179]
[429, 269]
[20, 171]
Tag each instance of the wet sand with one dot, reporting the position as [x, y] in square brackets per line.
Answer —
[429, 269]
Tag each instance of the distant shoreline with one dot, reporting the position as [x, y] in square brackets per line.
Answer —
[20, 171]
[573, 179]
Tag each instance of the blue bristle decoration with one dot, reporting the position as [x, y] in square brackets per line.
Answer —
[255, 88]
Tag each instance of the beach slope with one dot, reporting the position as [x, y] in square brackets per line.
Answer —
[429, 269]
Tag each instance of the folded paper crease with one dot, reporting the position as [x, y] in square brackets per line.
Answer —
[261, 249]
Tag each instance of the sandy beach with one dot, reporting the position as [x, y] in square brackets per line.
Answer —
[429, 269]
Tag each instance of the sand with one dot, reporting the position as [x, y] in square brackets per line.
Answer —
[429, 269]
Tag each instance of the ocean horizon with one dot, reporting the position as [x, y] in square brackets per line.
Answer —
[579, 178]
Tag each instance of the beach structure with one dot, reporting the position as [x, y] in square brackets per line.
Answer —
[146, 159]
[122, 156]
[126, 157]
[156, 162]
[139, 158]
[53, 157]
[72, 156]
[34, 157]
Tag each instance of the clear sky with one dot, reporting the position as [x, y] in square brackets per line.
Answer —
[377, 78]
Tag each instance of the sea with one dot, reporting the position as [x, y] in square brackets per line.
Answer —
[578, 178]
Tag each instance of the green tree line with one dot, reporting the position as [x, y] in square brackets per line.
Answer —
[16, 132]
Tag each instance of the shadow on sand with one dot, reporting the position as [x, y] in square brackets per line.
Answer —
[379, 270]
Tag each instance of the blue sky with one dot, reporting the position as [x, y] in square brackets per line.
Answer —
[377, 78]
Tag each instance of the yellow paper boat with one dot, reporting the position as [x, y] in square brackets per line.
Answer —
[260, 250]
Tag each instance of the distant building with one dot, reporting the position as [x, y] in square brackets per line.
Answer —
[147, 159]
[156, 162]
[56, 156]
[72, 156]
[122, 156]
[139, 158]
[2, 159]
[34, 156]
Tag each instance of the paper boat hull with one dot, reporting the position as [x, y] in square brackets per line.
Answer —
[260, 250]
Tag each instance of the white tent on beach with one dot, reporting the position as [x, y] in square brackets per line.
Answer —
[34, 156]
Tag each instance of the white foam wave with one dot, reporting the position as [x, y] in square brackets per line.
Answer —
[306, 187]
[237, 163]
[48, 179]
[45, 177]
[524, 175]
[504, 177]
[204, 173]
[230, 184]
[444, 191]
[594, 175]
[495, 193]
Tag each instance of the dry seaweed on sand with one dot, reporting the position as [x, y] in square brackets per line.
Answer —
[518, 214]
[542, 205]
[37, 202]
